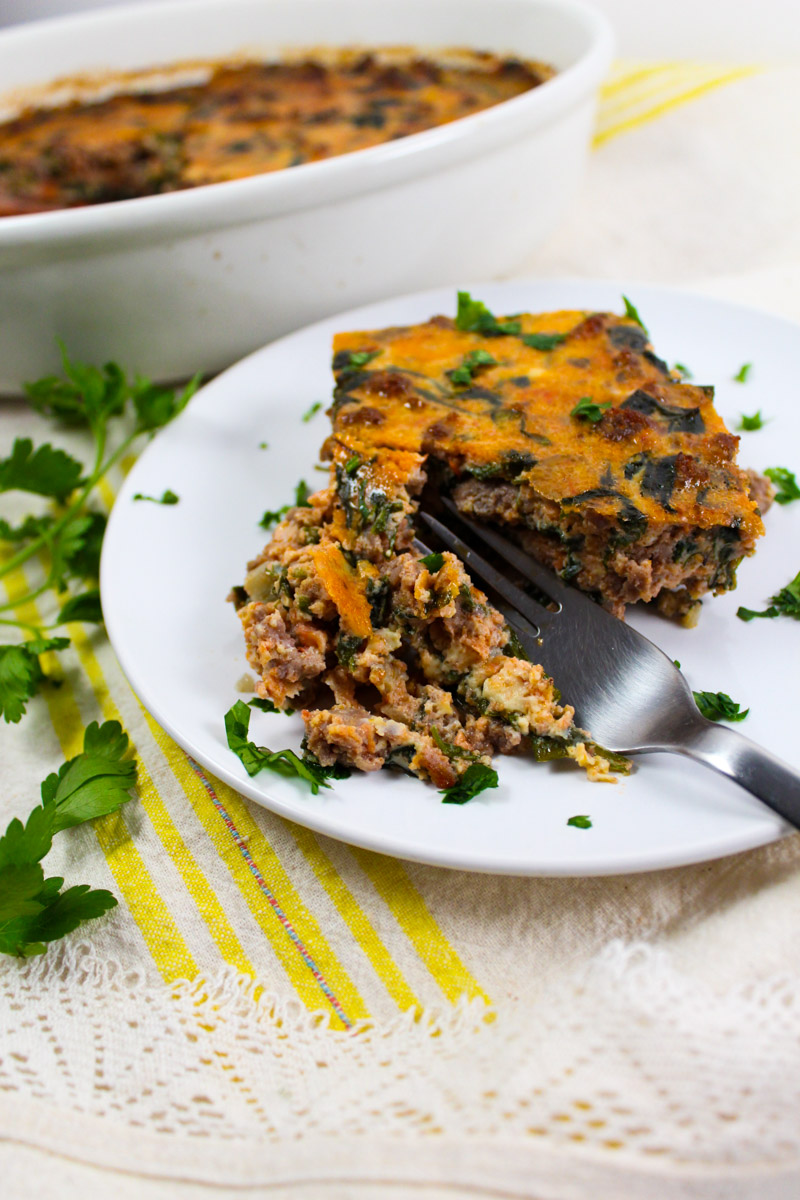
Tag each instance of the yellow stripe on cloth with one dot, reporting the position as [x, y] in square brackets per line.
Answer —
[148, 909]
[192, 876]
[612, 122]
[390, 880]
[622, 81]
[355, 918]
[279, 910]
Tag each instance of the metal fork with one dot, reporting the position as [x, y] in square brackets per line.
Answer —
[625, 690]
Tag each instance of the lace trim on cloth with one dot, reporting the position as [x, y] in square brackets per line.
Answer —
[628, 1060]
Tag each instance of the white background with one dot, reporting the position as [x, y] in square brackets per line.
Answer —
[734, 29]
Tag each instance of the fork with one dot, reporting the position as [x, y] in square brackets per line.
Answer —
[624, 689]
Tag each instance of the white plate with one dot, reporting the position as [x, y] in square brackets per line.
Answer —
[166, 572]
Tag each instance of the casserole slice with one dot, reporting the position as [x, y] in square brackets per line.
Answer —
[567, 427]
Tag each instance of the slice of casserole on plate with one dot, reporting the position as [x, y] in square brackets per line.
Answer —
[567, 428]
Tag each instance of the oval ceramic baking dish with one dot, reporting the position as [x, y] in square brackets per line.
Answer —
[192, 280]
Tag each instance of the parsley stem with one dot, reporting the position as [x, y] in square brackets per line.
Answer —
[34, 629]
[98, 471]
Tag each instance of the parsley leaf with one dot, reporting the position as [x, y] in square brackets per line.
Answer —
[718, 706]
[785, 603]
[631, 312]
[477, 778]
[786, 484]
[301, 494]
[43, 471]
[748, 424]
[76, 554]
[474, 317]
[156, 406]
[743, 372]
[580, 822]
[85, 607]
[33, 909]
[21, 674]
[434, 562]
[683, 371]
[87, 396]
[312, 412]
[93, 783]
[167, 497]
[587, 410]
[30, 527]
[258, 758]
[543, 341]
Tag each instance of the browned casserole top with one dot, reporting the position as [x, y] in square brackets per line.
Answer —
[244, 120]
[573, 404]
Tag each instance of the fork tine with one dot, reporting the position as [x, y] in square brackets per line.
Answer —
[536, 613]
[544, 578]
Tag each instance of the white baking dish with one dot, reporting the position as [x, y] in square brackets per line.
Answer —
[193, 280]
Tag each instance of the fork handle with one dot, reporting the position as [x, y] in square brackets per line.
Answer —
[753, 768]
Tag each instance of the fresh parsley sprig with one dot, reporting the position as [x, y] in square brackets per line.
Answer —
[34, 911]
[70, 535]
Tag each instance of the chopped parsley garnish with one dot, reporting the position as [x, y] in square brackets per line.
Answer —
[268, 707]
[785, 603]
[259, 758]
[580, 822]
[273, 515]
[263, 445]
[786, 484]
[312, 412]
[543, 341]
[470, 364]
[434, 562]
[167, 497]
[352, 465]
[632, 313]
[474, 317]
[34, 910]
[476, 779]
[718, 706]
[683, 371]
[301, 494]
[749, 424]
[587, 410]
[348, 360]
[743, 372]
